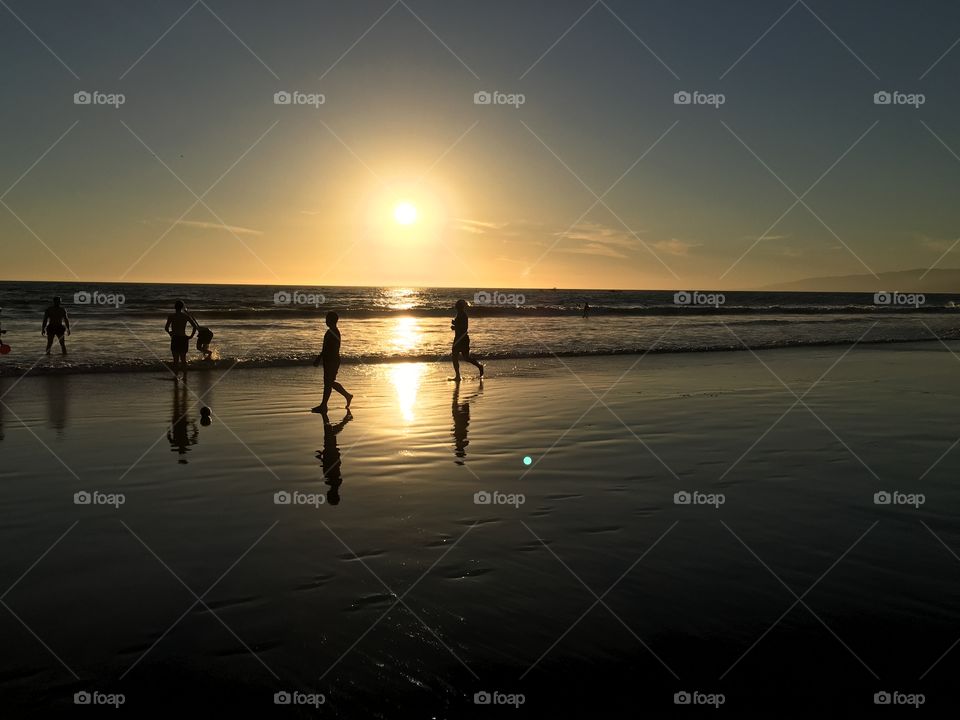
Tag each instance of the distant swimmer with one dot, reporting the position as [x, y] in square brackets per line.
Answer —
[176, 328]
[55, 324]
[461, 340]
[4, 348]
[329, 357]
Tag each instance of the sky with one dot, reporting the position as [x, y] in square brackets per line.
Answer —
[584, 172]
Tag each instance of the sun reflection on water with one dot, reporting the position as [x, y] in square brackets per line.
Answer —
[406, 379]
[406, 334]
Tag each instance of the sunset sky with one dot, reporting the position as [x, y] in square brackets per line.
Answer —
[504, 196]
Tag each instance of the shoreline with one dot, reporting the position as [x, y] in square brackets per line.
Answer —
[200, 366]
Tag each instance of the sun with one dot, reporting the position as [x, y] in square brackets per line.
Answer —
[405, 213]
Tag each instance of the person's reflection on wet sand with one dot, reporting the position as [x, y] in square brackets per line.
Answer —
[183, 431]
[461, 422]
[58, 395]
[329, 457]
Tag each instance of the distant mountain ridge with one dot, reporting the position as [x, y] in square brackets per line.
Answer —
[919, 280]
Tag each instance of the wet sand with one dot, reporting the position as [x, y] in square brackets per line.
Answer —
[396, 594]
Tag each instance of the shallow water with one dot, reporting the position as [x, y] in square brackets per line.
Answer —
[306, 598]
[252, 330]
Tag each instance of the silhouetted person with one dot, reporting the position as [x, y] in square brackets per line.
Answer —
[183, 431]
[55, 324]
[461, 340]
[176, 328]
[329, 357]
[4, 348]
[204, 337]
[329, 457]
[586, 309]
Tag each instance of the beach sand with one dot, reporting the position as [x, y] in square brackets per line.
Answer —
[407, 597]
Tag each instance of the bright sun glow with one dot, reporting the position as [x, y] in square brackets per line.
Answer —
[405, 213]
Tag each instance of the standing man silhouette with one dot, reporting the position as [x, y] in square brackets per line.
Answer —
[55, 324]
[176, 328]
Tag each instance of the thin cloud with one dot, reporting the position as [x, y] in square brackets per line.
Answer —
[673, 246]
[934, 245]
[201, 225]
[477, 227]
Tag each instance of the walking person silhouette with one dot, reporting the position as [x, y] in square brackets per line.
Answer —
[461, 340]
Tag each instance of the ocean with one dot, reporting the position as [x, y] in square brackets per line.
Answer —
[119, 327]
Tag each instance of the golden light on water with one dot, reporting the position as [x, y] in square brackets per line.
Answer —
[406, 379]
[400, 299]
[406, 334]
[406, 376]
